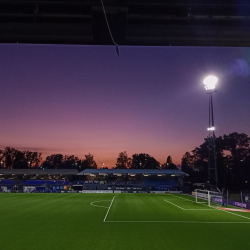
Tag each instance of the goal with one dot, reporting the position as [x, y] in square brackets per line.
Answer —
[208, 198]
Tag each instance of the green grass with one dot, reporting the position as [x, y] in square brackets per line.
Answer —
[134, 221]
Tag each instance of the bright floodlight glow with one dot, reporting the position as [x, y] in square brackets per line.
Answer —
[211, 129]
[210, 82]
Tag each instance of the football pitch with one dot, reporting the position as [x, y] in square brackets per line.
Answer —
[118, 221]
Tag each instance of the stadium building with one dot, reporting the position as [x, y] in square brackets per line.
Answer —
[40, 180]
[91, 180]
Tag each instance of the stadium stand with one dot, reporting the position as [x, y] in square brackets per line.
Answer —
[8, 182]
[128, 180]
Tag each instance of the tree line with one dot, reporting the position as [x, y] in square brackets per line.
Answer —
[11, 158]
[233, 161]
[232, 155]
[142, 161]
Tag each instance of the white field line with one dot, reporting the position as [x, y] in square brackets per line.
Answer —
[91, 203]
[233, 213]
[193, 201]
[109, 209]
[174, 204]
[183, 198]
[189, 209]
[218, 209]
[202, 209]
[194, 222]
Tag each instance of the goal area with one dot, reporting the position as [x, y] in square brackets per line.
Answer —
[208, 198]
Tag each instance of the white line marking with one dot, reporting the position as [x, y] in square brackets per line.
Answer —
[174, 204]
[193, 201]
[195, 222]
[211, 209]
[183, 198]
[91, 203]
[108, 209]
[202, 209]
[233, 213]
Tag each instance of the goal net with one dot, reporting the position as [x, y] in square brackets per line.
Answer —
[208, 198]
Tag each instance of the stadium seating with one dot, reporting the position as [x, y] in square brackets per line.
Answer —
[44, 182]
[149, 182]
[8, 182]
[34, 182]
[51, 182]
[80, 182]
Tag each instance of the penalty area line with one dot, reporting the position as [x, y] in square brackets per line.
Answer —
[175, 205]
[108, 209]
[218, 209]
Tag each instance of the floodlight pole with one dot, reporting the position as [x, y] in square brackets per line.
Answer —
[212, 164]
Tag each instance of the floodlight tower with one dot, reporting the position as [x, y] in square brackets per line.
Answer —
[210, 83]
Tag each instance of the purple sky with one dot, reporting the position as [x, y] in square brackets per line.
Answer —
[81, 99]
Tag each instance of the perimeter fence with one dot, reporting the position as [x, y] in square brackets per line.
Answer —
[238, 199]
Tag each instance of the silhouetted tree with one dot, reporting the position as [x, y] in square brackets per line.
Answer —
[169, 164]
[53, 161]
[9, 155]
[123, 161]
[89, 162]
[233, 168]
[19, 160]
[144, 161]
[169, 159]
[13, 158]
[33, 159]
[71, 162]
[187, 165]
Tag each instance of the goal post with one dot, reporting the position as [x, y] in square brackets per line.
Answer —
[208, 198]
[201, 196]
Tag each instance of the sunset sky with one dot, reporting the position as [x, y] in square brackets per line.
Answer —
[81, 99]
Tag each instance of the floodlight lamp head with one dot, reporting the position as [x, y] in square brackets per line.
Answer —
[210, 82]
[211, 129]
